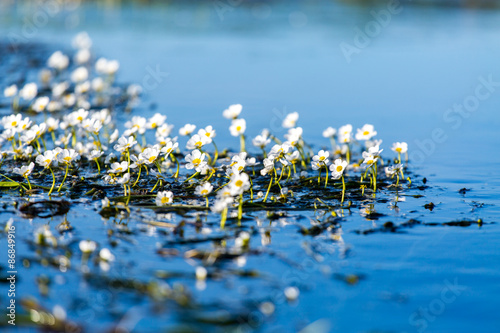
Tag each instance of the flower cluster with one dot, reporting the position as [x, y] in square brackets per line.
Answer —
[65, 122]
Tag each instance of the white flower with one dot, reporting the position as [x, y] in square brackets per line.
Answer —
[95, 154]
[82, 41]
[393, 170]
[118, 167]
[222, 203]
[238, 127]
[46, 159]
[322, 157]
[187, 129]
[87, 246]
[169, 148]
[92, 125]
[29, 91]
[10, 91]
[105, 66]
[329, 132]
[114, 136]
[293, 157]
[233, 111]
[207, 132]
[82, 56]
[124, 179]
[261, 141]
[138, 161]
[54, 106]
[136, 124]
[125, 143]
[164, 130]
[58, 61]
[156, 121]
[366, 132]
[59, 89]
[204, 190]
[80, 74]
[77, 117]
[195, 160]
[400, 147]
[98, 84]
[369, 159]
[150, 155]
[290, 120]
[106, 255]
[375, 151]
[11, 121]
[24, 171]
[67, 156]
[197, 141]
[40, 104]
[337, 168]
[239, 183]
[345, 133]
[164, 198]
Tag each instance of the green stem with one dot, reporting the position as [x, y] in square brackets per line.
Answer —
[343, 189]
[216, 153]
[138, 176]
[242, 143]
[268, 189]
[65, 175]
[53, 181]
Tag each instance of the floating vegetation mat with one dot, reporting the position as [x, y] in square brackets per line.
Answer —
[121, 223]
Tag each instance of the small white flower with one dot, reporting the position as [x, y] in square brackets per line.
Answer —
[87, 246]
[204, 190]
[400, 147]
[119, 167]
[29, 91]
[156, 121]
[125, 143]
[164, 198]
[393, 170]
[169, 147]
[238, 127]
[337, 168]
[10, 91]
[197, 141]
[233, 111]
[187, 129]
[195, 160]
[366, 132]
[239, 183]
[82, 56]
[82, 41]
[207, 132]
[66, 156]
[329, 132]
[345, 133]
[46, 159]
[369, 159]
[106, 255]
[95, 154]
[136, 124]
[24, 171]
[322, 157]
[79, 75]
[164, 130]
[290, 120]
[261, 141]
[58, 61]
[150, 155]
[124, 179]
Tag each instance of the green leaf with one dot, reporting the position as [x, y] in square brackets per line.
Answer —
[8, 184]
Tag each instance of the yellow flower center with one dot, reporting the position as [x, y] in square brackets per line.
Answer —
[67, 158]
[169, 150]
[339, 168]
[80, 118]
[198, 144]
[322, 158]
[238, 128]
[204, 192]
[48, 161]
[398, 149]
[14, 123]
[153, 125]
[238, 183]
[240, 168]
[366, 133]
[165, 200]
[119, 169]
[152, 158]
[196, 161]
[207, 134]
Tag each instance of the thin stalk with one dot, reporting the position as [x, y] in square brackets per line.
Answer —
[64, 179]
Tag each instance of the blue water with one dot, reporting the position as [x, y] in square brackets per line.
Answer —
[281, 57]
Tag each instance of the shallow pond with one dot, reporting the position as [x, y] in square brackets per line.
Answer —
[391, 262]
